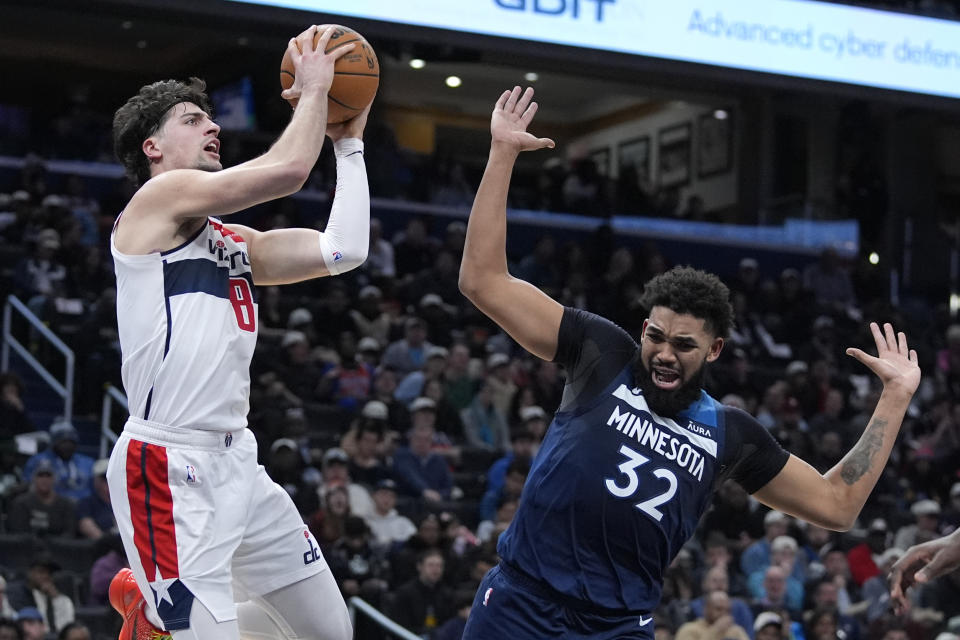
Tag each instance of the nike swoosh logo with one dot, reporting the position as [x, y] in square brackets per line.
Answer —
[644, 623]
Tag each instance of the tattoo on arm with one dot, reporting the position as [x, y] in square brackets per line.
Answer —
[861, 457]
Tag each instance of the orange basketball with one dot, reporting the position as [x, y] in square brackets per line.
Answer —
[356, 75]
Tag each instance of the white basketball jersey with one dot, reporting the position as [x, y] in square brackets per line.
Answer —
[188, 328]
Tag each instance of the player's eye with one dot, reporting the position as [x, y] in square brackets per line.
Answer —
[655, 337]
[684, 346]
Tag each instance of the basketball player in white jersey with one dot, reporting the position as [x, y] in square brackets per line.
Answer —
[202, 525]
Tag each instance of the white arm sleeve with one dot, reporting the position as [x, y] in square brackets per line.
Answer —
[346, 240]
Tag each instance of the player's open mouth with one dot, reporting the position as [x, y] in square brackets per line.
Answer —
[664, 378]
[213, 148]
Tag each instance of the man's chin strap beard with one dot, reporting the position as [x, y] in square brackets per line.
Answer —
[669, 403]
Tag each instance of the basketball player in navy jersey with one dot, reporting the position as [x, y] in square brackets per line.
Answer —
[202, 524]
[636, 448]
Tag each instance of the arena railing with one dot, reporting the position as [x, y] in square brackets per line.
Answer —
[360, 605]
[63, 389]
[108, 438]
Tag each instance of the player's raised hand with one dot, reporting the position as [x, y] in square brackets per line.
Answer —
[895, 363]
[922, 563]
[511, 117]
[352, 128]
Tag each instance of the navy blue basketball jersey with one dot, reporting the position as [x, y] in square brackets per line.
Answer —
[615, 489]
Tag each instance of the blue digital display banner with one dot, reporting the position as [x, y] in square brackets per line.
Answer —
[802, 38]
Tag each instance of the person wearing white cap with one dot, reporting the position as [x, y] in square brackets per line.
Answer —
[499, 378]
[94, 514]
[363, 442]
[369, 317]
[215, 526]
[411, 386]
[925, 527]
[637, 446]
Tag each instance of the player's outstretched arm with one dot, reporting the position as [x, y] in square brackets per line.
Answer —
[530, 316]
[923, 563]
[281, 171]
[283, 256]
[834, 500]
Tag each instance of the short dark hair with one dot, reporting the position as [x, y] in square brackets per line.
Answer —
[144, 114]
[695, 292]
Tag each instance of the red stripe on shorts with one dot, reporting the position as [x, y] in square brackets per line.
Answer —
[151, 509]
[161, 512]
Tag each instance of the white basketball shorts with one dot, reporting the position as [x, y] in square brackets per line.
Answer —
[199, 518]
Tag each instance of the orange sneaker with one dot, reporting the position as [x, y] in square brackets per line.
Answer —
[126, 598]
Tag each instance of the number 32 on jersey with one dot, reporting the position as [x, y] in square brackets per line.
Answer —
[628, 468]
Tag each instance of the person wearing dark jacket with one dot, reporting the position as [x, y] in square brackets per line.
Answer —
[422, 603]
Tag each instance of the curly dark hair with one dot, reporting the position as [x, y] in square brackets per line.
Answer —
[698, 293]
[144, 114]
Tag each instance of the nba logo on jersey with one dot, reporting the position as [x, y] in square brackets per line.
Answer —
[337, 256]
[486, 596]
[191, 474]
[227, 439]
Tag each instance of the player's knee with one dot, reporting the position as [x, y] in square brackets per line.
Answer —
[311, 609]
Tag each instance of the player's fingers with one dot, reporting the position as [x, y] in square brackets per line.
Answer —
[342, 50]
[913, 356]
[878, 336]
[546, 142]
[528, 113]
[502, 102]
[326, 32]
[858, 354]
[524, 100]
[293, 48]
[889, 336]
[289, 94]
[512, 100]
[306, 40]
[902, 343]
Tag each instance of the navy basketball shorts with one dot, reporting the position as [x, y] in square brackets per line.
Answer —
[511, 605]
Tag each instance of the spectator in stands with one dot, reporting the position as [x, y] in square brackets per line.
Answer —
[380, 257]
[460, 385]
[94, 514]
[768, 626]
[39, 590]
[111, 559]
[423, 602]
[419, 471]
[523, 445]
[41, 510]
[756, 557]
[925, 527]
[369, 318]
[13, 415]
[347, 383]
[484, 425]
[74, 631]
[514, 479]
[414, 249]
[410, 352]
[822, 624]
[285, 466]
[368, 351]
[717, 579]
[336, 473]
[31, 623]
[837, 570]
[411, 387]
[388, 527]
[717, 555]
[360, 568]
[774, 595]
[716, 623]
[453, 628]
[733, 515]
[830, 283]
[860, 557]
[298, 369]
[384, 386]
[489, 529]
[327, 523]
[41, 276]
[447, 421]
[364, 445]
[74, 471]
[825, 596]
[783, 554]
[500, 380]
